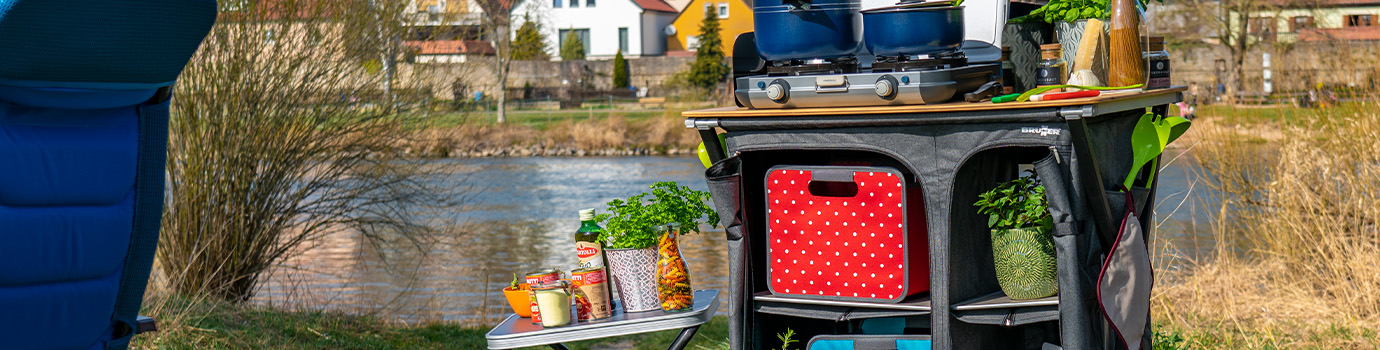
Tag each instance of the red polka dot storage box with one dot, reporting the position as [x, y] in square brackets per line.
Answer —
[854, 233]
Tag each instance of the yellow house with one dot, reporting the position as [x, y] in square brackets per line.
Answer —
[735, 17]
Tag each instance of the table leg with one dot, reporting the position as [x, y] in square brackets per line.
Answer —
[684, 338]
[558, 346]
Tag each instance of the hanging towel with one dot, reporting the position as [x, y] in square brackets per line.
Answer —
[1123, 288]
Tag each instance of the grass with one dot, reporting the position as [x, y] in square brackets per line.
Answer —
[191, 323]
[658, 131]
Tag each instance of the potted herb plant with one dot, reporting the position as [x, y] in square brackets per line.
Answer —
[1022, 243]
[631, 237]
[516, 293]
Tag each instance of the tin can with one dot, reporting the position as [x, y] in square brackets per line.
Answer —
[538, 277]
[593, 283]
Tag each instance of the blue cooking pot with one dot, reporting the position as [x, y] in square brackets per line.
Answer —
[903, 31]
[801, 29]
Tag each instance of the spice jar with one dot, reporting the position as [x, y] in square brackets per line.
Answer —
[1156, 63]
[553, 299]
[1008, 72]
[1052, 67]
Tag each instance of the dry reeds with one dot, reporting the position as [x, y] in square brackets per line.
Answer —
[1298, 258]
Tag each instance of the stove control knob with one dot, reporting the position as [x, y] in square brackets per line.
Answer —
[778, 91]
[885, 87]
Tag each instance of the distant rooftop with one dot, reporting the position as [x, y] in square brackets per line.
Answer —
[451, 47]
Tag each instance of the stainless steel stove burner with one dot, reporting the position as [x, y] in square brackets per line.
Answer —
[890, 82]
[813, 67]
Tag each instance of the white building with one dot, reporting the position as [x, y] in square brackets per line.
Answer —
[606, 27]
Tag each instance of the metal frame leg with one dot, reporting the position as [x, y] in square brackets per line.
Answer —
[558, 346]
[684, 337]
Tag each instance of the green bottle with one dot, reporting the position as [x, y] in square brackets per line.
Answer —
[587, 245]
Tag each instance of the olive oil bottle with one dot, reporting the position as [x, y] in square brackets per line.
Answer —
[587, 245]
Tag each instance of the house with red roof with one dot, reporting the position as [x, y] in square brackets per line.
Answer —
[1316, 20]
[605, 27]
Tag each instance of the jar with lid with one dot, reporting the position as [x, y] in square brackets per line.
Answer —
[1156, 64]
[1008, 72]
[1052, 68]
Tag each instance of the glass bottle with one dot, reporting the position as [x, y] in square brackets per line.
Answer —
[1008, 72]
[672, 278]
[1156, 64]
[1052, 69]
[553, 299]
[1126, 66]
[587, 246]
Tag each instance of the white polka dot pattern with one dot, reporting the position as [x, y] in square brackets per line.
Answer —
[794, 210]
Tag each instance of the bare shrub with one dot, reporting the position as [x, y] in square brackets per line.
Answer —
[279, 136]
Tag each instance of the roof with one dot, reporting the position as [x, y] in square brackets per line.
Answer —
[451, 47]
[680, 53]
[1353, 33]
[655, 5]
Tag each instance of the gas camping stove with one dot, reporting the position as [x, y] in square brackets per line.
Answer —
[930, 79]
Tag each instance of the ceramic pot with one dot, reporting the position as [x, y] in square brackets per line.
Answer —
[634, 272]
[1025, 262]
[1024, 39]
[519, 300]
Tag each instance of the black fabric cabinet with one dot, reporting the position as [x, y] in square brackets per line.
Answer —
[1081, 152]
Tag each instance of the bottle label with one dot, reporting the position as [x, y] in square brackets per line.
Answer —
[591, 254]
[1046, 76]
[1158, 74]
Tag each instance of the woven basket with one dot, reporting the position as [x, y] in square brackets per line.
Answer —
[1025, 263]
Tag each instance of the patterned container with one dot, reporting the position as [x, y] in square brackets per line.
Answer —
[634, 273]
[845, 233]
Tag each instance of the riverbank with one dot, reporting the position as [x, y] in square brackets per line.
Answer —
[190, 323]
[618, 133]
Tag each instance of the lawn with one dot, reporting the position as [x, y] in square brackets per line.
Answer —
[189, 324]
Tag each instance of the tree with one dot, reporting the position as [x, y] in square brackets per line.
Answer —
[530, 44]
[709, 68]
[572, 49]
[495, 23]
[620, 71]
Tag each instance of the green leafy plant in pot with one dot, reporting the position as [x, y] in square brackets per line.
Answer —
[1022, 244]
[631, 237]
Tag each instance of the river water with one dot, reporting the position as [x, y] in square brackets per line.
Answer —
[521, 215]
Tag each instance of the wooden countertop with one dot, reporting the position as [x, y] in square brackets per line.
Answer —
[728, 112]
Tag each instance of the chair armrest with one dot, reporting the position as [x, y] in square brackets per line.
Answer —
[146, 324]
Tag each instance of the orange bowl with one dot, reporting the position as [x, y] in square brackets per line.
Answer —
[518, 300]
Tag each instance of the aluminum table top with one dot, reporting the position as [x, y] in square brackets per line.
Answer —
[517, 332]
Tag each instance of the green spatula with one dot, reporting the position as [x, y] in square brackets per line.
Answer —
[1145, 146]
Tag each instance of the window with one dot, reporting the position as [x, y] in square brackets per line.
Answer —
[589, 3]
[1360, 20]
[556, 3]
[623, 39]
[1263, 27]
[707, 7]
[582, 34]
[723, 10]
[692, 42]
[574, 3]
[268, 36]
[1300, 23]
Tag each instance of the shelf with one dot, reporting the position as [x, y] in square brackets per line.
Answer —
[919, 302]
[838, 311]
[1000, 310]
[999, 300]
